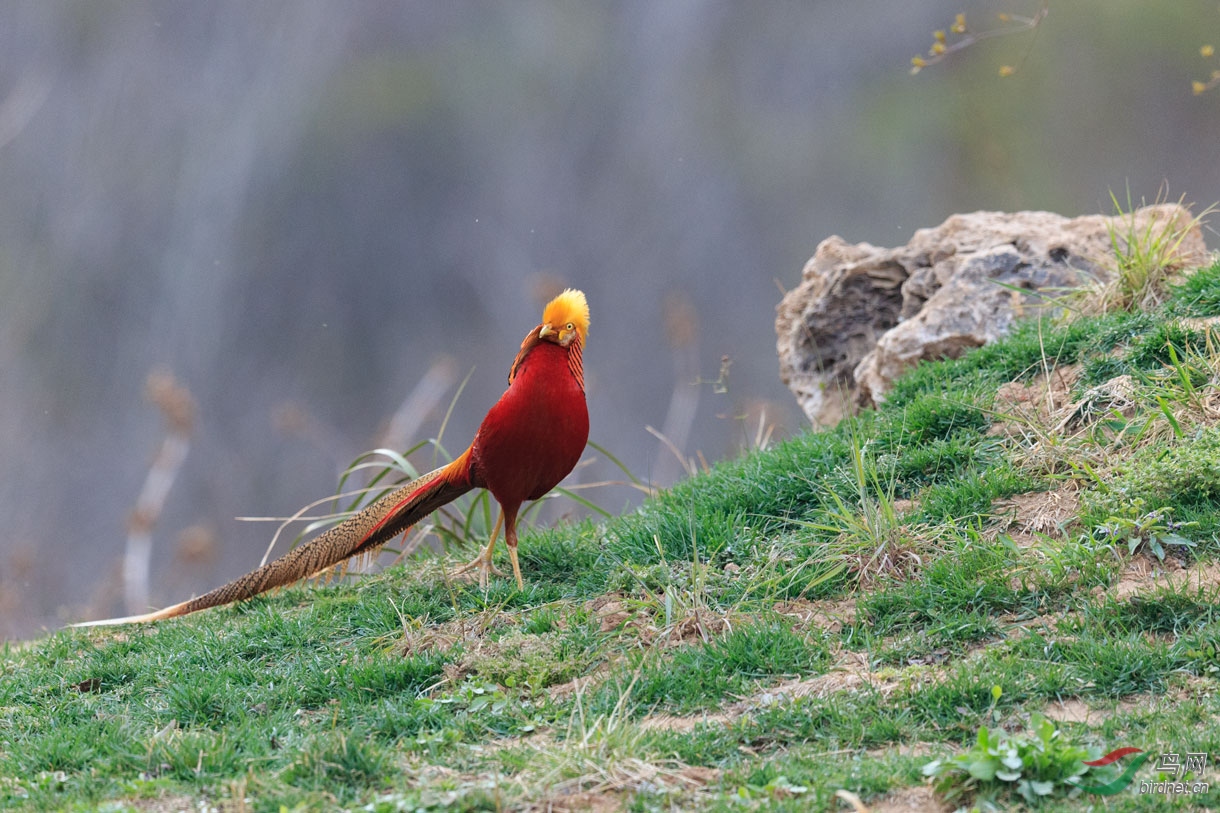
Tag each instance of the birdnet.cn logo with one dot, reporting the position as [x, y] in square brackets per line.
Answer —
[1178, 774]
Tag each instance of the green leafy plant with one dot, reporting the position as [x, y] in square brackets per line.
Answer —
[1150, 531]
[1203, 654]
[1182, 473]
[485, 705]
[778, 788]
[1002, 765]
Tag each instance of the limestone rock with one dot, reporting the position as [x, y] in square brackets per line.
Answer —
[862, 314]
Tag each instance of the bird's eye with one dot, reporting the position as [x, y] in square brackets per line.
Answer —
[570, 326]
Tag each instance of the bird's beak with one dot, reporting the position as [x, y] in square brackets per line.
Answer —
[546, 330]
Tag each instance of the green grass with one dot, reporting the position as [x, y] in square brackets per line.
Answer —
[705, 676]
[1198, 296]
[832, 614]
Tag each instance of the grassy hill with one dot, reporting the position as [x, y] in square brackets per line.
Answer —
[1008, 569]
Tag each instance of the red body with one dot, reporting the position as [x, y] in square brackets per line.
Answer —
[535, 434]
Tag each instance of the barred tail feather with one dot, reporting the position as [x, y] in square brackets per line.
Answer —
[359, 534]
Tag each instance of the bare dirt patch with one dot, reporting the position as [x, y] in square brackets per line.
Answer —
[909, 800]
[1039, 512]
[1143, 575]
[1116, 395]
[850, 673]
[604, 790]
[579, 685]
[603, 802]
[1035, 404]
[905, 749]
[471, 631]
[681, 725]
[555, 780]
[830, 616]
[610, 610]
[168, 804]
[696, 623]
[833, 682]
[1074, 710]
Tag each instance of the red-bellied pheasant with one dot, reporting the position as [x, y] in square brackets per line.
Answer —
[529, 441]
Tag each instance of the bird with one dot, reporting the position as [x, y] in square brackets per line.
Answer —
[529, 441]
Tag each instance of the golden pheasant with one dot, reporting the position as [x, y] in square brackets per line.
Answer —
[529, 441]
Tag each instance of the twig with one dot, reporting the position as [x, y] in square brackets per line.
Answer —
[1013, 24]
[178, 409]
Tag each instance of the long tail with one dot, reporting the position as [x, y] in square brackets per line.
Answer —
[362, 533]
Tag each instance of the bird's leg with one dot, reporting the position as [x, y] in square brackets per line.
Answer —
[510, 538]
[483, 560]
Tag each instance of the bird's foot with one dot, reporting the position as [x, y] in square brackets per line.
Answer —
[482, 562]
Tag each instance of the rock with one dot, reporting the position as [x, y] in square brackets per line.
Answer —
[862, 315]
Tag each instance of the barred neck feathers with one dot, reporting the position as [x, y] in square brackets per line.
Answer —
[576, 363]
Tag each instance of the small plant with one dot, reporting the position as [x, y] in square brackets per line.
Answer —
[1147, 243]
[486, 706]
[1182, 474]
[870, 529]
[476, 698]
[679, 597]
[1149, 531]
[1203, 654]
[1001, 765]
[778, 788]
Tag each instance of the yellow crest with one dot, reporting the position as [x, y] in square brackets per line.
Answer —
[569, 308]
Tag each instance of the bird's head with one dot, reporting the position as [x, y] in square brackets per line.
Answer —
[566, 317]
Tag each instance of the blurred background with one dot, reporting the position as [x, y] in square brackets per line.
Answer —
[309, 220]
